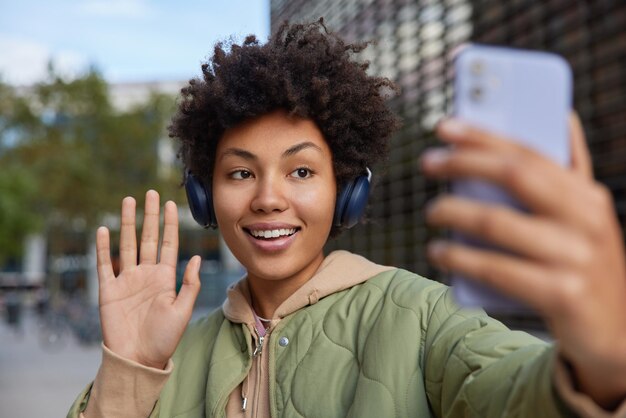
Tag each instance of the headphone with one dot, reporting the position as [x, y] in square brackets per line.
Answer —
[350, 205]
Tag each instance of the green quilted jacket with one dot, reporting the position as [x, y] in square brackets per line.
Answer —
[395, 345]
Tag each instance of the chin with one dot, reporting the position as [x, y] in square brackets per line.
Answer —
[279, 267]
[271, 270]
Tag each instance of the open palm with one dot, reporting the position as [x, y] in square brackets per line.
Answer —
[142, 317]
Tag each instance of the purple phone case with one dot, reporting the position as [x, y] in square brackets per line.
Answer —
[525, 95]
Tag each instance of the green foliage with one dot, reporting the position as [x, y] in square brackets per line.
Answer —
[17, 189]
[66, 154]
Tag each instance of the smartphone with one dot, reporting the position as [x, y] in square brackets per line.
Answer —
[523, 95]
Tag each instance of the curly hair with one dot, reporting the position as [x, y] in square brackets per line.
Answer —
[303, 69]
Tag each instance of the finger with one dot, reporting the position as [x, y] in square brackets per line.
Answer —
[544, 187]
[528, 236]
[150, 231]
[519, 279]
[169, 247]
[190, 287]
[463, 135]
[581, 159]
[103, 255]
[128, 235]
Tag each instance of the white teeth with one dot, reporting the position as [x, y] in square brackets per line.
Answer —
[273, 233]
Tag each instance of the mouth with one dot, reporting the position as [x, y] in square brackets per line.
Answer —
[271, 234]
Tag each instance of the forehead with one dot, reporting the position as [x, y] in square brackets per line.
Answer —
[272, 134]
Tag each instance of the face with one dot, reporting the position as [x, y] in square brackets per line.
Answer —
[274, 196]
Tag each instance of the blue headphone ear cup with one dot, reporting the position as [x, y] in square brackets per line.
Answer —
[351, 202]
[200, 201]
[340, 205]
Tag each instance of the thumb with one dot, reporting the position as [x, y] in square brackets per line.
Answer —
[191, 286]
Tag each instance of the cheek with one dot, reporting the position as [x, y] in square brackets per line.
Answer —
[227, 205]
[316, 204]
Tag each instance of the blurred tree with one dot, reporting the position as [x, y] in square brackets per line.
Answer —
[68, 157]
[17, 189]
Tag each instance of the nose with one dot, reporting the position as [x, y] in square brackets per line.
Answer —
[270, 196]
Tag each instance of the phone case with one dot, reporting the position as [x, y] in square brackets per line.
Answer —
[526, 96]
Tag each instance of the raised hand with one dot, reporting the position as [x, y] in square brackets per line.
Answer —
[566, 259]
[142, 317]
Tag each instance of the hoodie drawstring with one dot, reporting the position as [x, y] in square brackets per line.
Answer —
[245, 386]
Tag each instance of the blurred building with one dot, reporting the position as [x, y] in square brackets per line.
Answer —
[414, 42]
[126, 95]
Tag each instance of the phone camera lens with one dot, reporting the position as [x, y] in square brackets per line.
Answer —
[477, 67]
[476, 93]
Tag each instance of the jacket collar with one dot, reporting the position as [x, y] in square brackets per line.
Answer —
[340, 270]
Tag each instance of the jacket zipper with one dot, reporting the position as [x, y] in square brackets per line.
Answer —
[221, 406]
[259, 346]
[257, 356]
[259, 371]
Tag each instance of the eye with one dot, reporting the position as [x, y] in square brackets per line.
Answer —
[301, 173]
[240, 175]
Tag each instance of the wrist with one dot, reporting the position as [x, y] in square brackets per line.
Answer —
[603, 383]
[124, 388]
[134, 357]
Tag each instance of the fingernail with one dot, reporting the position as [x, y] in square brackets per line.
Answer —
[452, 127]
[434, 158]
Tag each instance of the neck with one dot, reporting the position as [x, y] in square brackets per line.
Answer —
[268, 294]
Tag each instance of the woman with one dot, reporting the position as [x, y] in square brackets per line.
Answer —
[277, 133]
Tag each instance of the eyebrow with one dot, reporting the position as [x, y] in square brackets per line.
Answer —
[247, 155]
[299, 147]
[238, 152]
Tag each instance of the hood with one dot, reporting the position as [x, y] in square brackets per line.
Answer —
[340, 270]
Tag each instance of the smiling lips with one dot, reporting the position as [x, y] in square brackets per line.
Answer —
[272, 233]
[271, 238]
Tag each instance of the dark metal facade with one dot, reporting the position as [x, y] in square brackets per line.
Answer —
[414, 42]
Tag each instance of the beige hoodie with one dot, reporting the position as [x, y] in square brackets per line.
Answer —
[123, 388]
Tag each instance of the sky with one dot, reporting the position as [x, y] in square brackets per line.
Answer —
[126, 40]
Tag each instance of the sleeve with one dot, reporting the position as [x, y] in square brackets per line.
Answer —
[122, 388]
[476, 367]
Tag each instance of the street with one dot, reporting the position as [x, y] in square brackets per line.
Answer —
[37, 382]
[41, 383]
